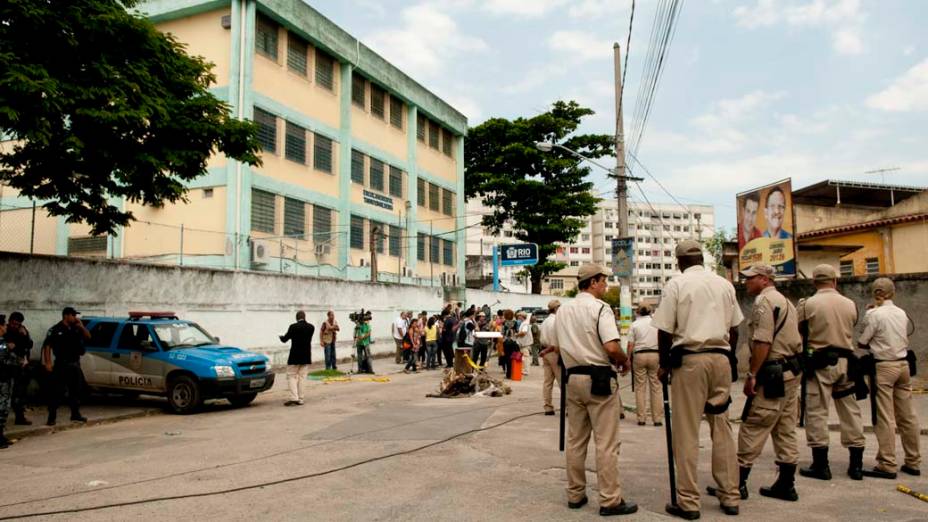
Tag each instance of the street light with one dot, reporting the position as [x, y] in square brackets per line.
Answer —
[544, 146]
[547, 146]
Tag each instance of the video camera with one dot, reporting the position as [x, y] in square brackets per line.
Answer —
[357, 317]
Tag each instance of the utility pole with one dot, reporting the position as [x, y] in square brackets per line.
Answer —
[375, 231]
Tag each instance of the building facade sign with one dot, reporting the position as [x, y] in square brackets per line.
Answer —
[378, 200]
[766, 228]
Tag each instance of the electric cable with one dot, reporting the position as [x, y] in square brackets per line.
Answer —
[628, 46]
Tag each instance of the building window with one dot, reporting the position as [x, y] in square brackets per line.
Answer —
[295, 144]
[294, 218]
[376, 175]
[396, 237]
[378, 99]
[263, 210]
[266, 38]
[357, 90]
[557, 284]
[667, 253]
[322, 153]
[357, 232]
[873, 265]
[420, 246]
[847, 268]
[447, 205]
[420, 127]
[396, 112]
[575, 263]
[507, 233]
[267, 130]
[433, 197]
[420, 192]
[668, 266]
[357, 167]
[396, 182]
[434, 250]
[585, 250]
[433, 135]
[447, 252]
[584, 237]
[322, 224]
[574, 250]
[296, 54]
[446, 138]
[207, 193]
[325, 70]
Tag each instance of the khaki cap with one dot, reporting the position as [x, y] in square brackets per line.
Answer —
[759, 269]
[553, 304]
[883, 285]
[824, 272]
[688, 247]
[591, 270]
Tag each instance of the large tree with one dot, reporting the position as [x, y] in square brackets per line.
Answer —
[100, 105]
[545, 195]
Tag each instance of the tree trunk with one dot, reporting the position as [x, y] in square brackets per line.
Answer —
[536, 282]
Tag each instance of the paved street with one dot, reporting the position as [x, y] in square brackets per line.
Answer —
[509, 471]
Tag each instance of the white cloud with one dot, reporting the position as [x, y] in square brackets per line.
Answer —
[425, 43]
[847, 41]
[535, 78]
[908, 92]
[908, 50]
[467, 105]
[524, 8]
[731, 111]
[842, 17]
[596, 8]
[580, 45]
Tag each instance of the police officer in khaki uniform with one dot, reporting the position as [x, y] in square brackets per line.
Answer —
[588, 342]
[827, 321]
[886, 336]
[549, 356]
[698, 317]
[642, 344]
[772, 385]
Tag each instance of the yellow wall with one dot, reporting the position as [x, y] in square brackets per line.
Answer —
[276, 166]
[436, 163]
[16, 231]
[378, 133]
[871, 246]
[204, 221]
[910, 245]
[204, 36]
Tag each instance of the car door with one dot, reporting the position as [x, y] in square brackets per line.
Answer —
[97, 361]
[135, 362]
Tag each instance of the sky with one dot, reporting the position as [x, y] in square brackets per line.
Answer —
[753, 91]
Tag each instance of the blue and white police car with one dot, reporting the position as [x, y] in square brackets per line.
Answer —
[156, 353]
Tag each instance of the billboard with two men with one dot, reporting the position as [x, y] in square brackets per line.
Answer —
[766, 228]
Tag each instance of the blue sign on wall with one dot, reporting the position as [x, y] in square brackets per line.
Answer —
[524, 254]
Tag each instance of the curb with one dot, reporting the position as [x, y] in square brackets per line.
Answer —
[47, 430]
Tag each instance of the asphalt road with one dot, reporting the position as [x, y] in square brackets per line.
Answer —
[378, 451]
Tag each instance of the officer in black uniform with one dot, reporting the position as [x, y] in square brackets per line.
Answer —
[17, 337]
[66, 341]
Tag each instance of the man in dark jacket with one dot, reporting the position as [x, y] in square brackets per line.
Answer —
[300, 335]
[18, 337]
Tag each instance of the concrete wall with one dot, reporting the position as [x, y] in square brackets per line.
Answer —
[245, 309]
[910, 292]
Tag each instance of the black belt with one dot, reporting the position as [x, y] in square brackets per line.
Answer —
[904, 359]
[646, 350]
[788, 363]
[588, 370]
[721, 351]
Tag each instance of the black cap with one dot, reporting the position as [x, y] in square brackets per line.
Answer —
[17, 316]
[69, 310]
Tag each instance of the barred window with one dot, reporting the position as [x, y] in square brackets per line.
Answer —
[447, 205]
[396, 112]
[434, 250]
[357, 90]
[377, 232]
[433, 134]
[266, 37]
[420, 127]
[294, 218]
[357, 167]
[446, 140]
[421, 240]
[396, 238]
[267, 130]
[325, 70]
[378, 97]
[322, 153]
[847, 268]
[263, 210]
[420, 191]
[376, 175]
[296, 54]
[447, 252]
[872, 265]
[357, 232]
[433, 197]
[396, 182]
[322, 224]
[295, 145]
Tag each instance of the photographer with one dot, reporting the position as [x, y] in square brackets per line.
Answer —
[362, 341]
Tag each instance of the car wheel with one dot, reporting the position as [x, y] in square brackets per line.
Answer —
[184, 395]
[242, 400]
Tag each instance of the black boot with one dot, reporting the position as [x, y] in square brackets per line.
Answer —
[4, 443]
[21, 419]
[855, 468]
[819, 468]
[742, 484]
[784, 487]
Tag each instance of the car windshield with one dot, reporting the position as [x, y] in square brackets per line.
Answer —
[181, 335]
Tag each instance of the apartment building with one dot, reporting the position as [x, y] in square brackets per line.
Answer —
[479, 253]
[357, 156]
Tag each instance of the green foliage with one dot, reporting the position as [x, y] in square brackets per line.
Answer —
[103, 106]
[611, 297]
[715, 245]
[545, 195]
[572, 292]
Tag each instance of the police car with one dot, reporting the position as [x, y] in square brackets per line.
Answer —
[158, 354]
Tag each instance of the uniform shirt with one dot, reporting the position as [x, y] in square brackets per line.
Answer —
[583, 326]
[22, 344]
[886, 331]
[831, 318]
[66, 343]
[643, 334]
[548, 335]
[762, 326]
[698, 308]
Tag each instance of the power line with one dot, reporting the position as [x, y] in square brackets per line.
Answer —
[628, 46]
[659, 184]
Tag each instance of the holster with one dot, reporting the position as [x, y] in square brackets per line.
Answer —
[913, 362]
[717, 409]
[770, 377]
[600, 378]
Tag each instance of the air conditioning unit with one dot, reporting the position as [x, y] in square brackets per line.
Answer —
[323, 250]
[260, 251]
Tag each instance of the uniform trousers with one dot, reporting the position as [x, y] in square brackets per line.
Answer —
[819, 388]
[66, 378]
[776, 418]
[6, 394]
[648, 386]
[700, 379]
[552, 374]
[895, 411]
[595, 415]
[296, 376]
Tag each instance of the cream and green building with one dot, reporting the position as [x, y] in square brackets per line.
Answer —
[356, 156]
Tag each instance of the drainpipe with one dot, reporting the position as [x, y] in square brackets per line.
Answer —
[243, 10]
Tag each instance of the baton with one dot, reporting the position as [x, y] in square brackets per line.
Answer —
[873, 397]
[669, 432]
[631, 358]
[563, 384]
[747, 409]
